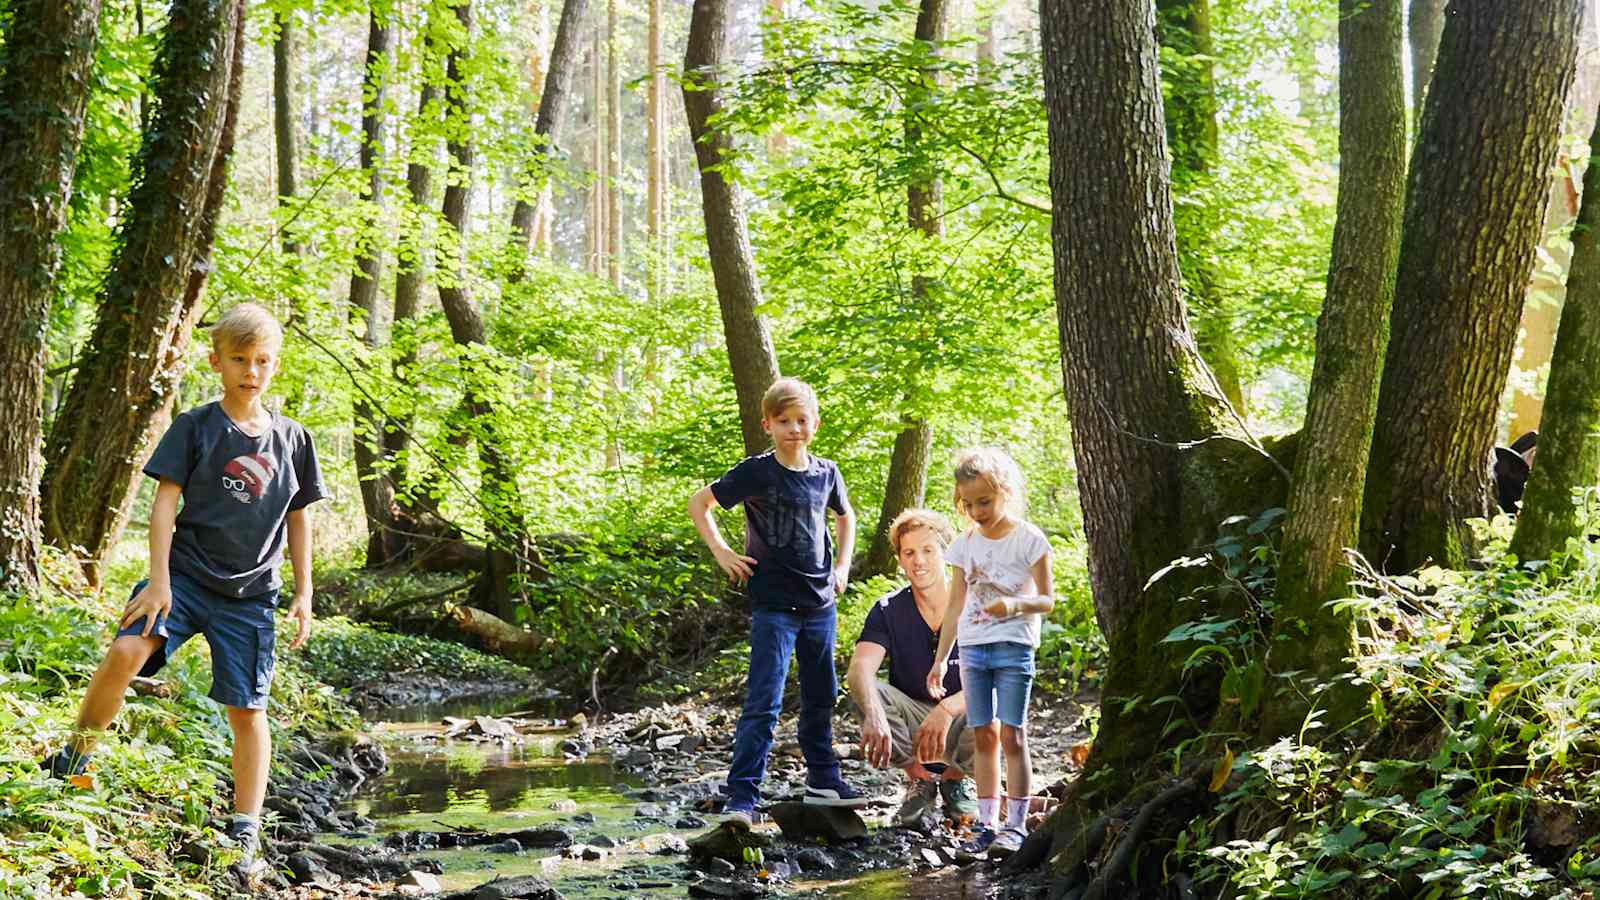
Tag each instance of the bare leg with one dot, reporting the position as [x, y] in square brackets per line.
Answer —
[1019, 765]
[103, 699]
[988, 761]
[252, 758]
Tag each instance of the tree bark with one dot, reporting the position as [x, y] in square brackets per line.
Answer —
[1569, 449]
[597, 154]
[554, 101]
[408, 283]
[369, 427]
[130, 365]
[1324, 515]
[49, 58]
[907, 480]
[1424, 27]
[498, 493]
[1147, 426]
[750, 353]
[1474, 206]
[1184, 29]
[613, 150]
[655, 152]
[283, 78]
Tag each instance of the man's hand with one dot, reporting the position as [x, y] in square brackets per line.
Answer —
[1002, 607]
[932, 733]
[841, 577]
[936, 678]
[147, 604]
[300, 612]
[738, 566]
[876, 744]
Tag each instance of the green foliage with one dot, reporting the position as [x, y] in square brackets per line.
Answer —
[343, 653]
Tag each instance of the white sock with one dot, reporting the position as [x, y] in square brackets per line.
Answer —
[989, 811]
[1017, 813]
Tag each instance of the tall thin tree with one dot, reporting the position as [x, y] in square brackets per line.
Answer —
[284, 59]
[554, 101]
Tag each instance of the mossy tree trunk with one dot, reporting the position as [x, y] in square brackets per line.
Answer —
[751, 356]
[1184, 29]
[1569, 443]
[1474, 206]
[133, 359]
[45, 72]
[1324, 512]
[907, 479]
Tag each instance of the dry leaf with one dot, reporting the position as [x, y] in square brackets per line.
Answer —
[1223, 768]
[85, 782]
[1503, 690]
[1079, 754]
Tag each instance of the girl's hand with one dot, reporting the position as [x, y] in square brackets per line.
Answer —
[1002, 607]
[936, 678]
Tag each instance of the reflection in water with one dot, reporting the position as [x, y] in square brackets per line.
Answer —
[467, 707]
[462, 777]
[901, 884]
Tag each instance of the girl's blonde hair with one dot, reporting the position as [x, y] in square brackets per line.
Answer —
[995, 467]
[246, 325]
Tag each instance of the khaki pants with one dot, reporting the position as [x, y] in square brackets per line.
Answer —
[906, 715]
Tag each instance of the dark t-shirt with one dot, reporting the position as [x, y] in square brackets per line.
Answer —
[238, 491]
[895, 624]
[786, 528]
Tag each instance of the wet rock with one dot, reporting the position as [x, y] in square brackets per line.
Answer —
[648, 811]
[688, 822]
[310, 868]
[584, 851]
[805, 823]
[576, 748]
[601, 840]
[428, 882]
[813, 860]
[717, 866]
[547, 837]
[584, 818]
[565, 806]
[669, 845]
[196, 852]
[508, 845]
[524, 888]
[931, 856]
[727, 842]
[725, 888]
[636, 758]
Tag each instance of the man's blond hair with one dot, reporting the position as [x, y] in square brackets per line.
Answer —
[246, 325]
[787, 392]
[912, 519]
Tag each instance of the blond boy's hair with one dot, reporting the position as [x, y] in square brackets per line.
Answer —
[995, 467]
[787, 392]
[246, 325]
[912, 519]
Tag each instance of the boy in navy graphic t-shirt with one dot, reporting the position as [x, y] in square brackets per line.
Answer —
[793, 573]
[245, 477]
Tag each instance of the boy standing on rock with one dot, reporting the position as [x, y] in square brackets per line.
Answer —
[245, 477]
[793, 576]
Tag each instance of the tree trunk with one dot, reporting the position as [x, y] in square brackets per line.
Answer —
[553, 103]
[613, 150]
[1424, 27]
[1184, 29]
[907, 480]
[133, 359]
[1324, 516]
[49, 57]
[1474, 205]
[1146, 423]
[498, 494]
[369, 427]
[408, 286]
[1569, 444]
[598, 206]
[655, 153]
[283, 80]
[750, 354]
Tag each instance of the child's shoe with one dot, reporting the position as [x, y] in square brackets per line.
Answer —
[922, 798]
[960, 799]
[738, 818]
[982, 837]
[65, 763]
[1007, 842]
[244, 832]
[834, 793]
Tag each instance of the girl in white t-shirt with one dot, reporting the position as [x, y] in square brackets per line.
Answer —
[995, 611]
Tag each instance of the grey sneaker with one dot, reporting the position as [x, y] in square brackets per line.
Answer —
[1007, 842]
[922, 798]
[960, 798]
[738, 818]
[245, 834]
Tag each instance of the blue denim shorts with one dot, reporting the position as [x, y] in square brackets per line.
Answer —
[240, 631]
[997, 680]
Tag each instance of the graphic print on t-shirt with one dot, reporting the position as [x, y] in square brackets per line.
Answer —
[245, 477]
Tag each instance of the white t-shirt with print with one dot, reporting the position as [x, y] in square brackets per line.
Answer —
[993, 569]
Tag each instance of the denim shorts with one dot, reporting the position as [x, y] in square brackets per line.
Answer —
[240, 631]
[997, 680]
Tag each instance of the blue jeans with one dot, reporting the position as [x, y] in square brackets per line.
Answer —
[775, 634]
[997, 680]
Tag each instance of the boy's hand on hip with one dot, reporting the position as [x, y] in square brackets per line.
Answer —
[300, 612]
[841, 577]
[738, 566]
[147, 604]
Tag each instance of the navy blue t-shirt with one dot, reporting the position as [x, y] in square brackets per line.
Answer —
[786, 528]
[895, 624]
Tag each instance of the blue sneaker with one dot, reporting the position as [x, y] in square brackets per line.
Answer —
[981, 839]
[65, 763]
[834, 793]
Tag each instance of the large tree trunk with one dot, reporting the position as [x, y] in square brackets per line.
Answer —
[1138, 393]
[283, 79]
[1324, 514]
[1474, 205]
[1184, 30]
[136, 353]
[498, 494]
[49, 56]
[907, 480]
[750, 354]
[553, 103]
[377, 487]
[1424, 26]
[1569, 449]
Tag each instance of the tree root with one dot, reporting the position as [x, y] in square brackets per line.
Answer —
[1131, 838]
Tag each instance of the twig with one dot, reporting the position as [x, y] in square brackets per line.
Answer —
[391, 608]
